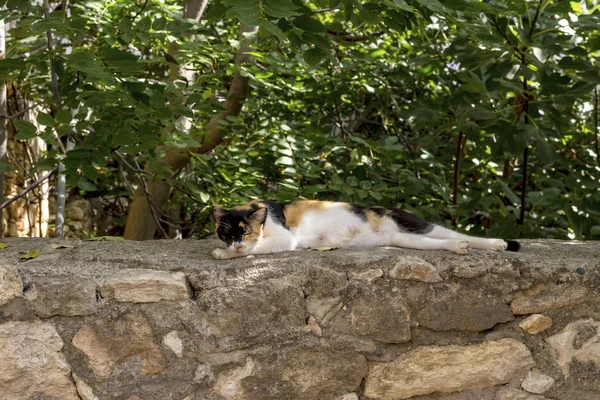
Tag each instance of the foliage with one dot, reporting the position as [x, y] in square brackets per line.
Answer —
[361, 101]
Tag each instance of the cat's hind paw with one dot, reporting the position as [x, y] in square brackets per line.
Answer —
[498, 244]
[460, 247]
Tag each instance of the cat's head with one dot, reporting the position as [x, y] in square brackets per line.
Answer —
[241, 228]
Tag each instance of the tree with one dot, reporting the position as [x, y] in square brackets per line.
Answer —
[479, 114]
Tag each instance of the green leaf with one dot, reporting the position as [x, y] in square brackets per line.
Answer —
[509, 193]
[3, 245]
[61, 246]
[306, 23]
[26, 130]
[45, 119]
[204, 197]
[274, 30]
[64, 116]
[89, 171]
[433, 5]
[30, 255]
[280, 8]
[106, 239]
[285, 160]
[545, 152]
[314, 56]
[324, 248]
[352, 181]
[85, 185]
[263, 75]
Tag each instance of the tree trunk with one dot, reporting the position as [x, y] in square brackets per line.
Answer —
[3, 121]
[140, 224]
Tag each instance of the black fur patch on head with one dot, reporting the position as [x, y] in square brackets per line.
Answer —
[513, 245]
[409, 222]
[233, 224]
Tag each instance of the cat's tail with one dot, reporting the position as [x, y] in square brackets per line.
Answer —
[513, 245]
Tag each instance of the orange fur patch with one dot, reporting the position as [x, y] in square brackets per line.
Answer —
[295, 211]
[373, 219]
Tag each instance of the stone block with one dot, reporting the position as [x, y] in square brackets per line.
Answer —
[535, 324]
[414, 269]
[446, 369]
[31, 362]
[254, 310]
[537, 382]
[578, 341]
[458, 308]
[380, 315]
[541, 298]
[145, 286]
[294, 373]
[62, 296]
[11, 284]
[508, 393]
[108, 343]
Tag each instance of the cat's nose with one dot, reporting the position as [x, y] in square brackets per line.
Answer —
[238, 245]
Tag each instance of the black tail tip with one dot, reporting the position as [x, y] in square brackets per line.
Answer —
[513, 245]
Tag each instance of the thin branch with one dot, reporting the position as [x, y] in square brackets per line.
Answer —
[29, 188]
[538, 11]
[140, 11]
[18, 114]
[53, 73]
[345, 36]
[456, 172]
[596, 123]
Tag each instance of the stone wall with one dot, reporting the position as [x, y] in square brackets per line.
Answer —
[162, 320]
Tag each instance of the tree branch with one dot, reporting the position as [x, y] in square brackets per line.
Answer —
[29, 188]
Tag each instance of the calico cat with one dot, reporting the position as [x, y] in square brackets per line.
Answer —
[263, 227]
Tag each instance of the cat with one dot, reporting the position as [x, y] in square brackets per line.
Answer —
[264, 227]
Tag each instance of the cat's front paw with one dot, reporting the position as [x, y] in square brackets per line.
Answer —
[461, 247]
[222, 254]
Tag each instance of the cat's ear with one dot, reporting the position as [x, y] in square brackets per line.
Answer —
[260, 215]
[218, 212]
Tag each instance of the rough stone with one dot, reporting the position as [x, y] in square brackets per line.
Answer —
[83, 389]
[251, 311]
[347, 396]
[369, 276]
[469, 270]
[323, 308]
[458, 308]
[145, 286]
[430, 369]
[31, 362]
[292, 374]
[107, 343]
[173, 342]
[535, 324]
[11, 284]
[580, 341]
[541, 298]
[204, 374]
[537, 382]
[414, 269]
[508, 393]
[381, 315]
[62, 296]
